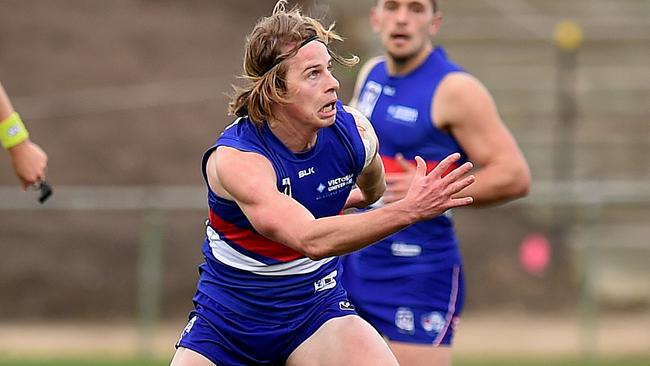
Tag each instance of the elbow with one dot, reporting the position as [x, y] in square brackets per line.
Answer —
[311, 247]
[301, 242]
[317, 257]
[380, 192]
[314, 251]
[372, 196]
[525, 181]
[520, 183]
[381, 189]
[524, 189]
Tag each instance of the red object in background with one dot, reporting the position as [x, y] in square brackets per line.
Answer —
[535, 253]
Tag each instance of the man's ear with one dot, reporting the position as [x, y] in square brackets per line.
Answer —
[435, 24]
[374, 21]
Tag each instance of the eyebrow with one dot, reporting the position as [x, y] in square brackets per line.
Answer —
[315, 66]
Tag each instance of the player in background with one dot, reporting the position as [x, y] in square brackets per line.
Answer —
[410, 286]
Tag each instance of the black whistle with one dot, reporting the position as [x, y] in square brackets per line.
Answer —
[45, 191]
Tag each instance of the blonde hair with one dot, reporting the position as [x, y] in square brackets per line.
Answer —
[264, 70]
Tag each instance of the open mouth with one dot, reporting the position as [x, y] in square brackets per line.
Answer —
[328, 108]
[400, 37]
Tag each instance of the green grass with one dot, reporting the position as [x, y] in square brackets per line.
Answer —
[553, 362]
[459, 362]
[81, 362]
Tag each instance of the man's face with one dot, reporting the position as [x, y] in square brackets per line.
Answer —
[311, 87]
[404, 26]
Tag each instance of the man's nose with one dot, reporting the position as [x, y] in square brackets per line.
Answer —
[333, 84]
[402, 15]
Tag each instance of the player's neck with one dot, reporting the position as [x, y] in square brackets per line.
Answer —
[401, 67]
[296, 137]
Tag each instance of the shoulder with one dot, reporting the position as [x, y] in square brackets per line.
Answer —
[460, 96]
[460, 89]
[227, 157]
[369, 66]
[241, 134]
[226, 176]
[362, 76]
[366, 132]
[460, 82]
[238, 128]
[360, 120]
[238, 142]
[441, 63]
[352, 120]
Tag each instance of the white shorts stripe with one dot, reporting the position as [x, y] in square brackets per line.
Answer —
[225, 254]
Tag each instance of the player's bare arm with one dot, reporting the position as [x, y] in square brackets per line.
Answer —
[27, 158]
[256, 193]
[464, 107]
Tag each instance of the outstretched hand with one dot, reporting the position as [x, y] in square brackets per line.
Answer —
[431, 194]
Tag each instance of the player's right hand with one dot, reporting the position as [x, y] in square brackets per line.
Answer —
[29, 162]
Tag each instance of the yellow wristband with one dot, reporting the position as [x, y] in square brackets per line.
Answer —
[12, 131]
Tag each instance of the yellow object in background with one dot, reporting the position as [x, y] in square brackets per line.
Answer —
[12, 131]
[568, 35]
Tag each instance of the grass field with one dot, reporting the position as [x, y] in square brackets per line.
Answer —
[459, 362]
[619, 341]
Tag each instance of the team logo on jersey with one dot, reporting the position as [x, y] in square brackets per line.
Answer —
[338, 183]
[305, 172]
[326, 282]
[334, 185]
[346, 305]
[404, 320]
[368, 98]
[400, 113]
[400, 249]
[433, 322]
[389, 90]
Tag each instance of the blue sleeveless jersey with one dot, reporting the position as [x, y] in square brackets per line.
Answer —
[399, 108]
[257, 277]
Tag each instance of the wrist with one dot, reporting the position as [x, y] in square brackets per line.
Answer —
[12, 131]
[18, 148]
[402, 212]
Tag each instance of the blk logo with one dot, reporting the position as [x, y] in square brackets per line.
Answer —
[306, 172]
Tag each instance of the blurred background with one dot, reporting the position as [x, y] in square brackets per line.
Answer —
[125, 95]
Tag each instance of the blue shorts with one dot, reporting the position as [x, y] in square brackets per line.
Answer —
[228, 338]
[419, 309]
